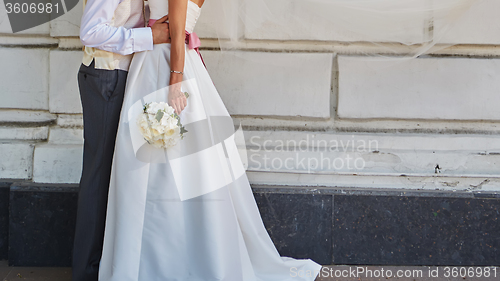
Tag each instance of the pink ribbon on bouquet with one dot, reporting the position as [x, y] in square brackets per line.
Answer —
[192, 40]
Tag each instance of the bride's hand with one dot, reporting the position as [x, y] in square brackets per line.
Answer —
[176, 98]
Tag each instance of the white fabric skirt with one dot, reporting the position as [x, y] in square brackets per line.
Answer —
[185, 213]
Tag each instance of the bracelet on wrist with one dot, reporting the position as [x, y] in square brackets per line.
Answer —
[178, 72]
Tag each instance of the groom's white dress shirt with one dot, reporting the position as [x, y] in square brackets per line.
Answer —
[112, 30]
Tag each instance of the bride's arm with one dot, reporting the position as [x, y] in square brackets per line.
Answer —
[177, 10]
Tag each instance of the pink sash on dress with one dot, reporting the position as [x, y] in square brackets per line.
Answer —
[192, 40]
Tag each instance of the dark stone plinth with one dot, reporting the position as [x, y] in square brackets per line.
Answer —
[328, 225]
[4, 219]
[42, 222]
[300, 225]
[388, 230]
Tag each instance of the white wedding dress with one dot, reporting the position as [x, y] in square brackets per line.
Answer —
[185, 213]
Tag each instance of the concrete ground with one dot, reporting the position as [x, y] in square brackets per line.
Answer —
[330, 273]
[8, 273]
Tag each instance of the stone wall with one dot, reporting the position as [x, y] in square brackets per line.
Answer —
[434, 121]
[440, 110]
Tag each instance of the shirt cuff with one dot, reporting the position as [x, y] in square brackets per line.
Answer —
[143, 39]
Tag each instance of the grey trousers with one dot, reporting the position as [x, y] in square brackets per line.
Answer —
[101, 93]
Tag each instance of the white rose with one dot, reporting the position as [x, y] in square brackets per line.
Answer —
[165, 120]
[142, 122]
[151, 118]
[169, 110]
[172, 123]
[172, 132]
[152, 108]
[157, 130]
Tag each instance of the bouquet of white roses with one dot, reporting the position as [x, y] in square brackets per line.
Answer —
[160, 125]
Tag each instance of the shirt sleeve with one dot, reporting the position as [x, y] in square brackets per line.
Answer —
[96, 31]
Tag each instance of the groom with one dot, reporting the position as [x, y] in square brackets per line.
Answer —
[111, 31]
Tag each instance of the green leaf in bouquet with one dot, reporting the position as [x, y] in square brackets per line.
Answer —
[146, 107]
[183, 130]
[159, 115]
[179, 124]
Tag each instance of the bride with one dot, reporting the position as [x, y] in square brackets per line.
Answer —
[187, 212]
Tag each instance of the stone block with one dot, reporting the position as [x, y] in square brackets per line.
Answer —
[406, 230]
[274, 84]
[24, 78]
[4, 219]
[42, 224]
[299, 224]
[300, 20]
[479, 25]
[6, 28]
[64, 96]
[56, 163]
[211, 18]
[60, 135]
[26, 116]
[67, 24]
[427, 88]
[23, 133]
[16, 160]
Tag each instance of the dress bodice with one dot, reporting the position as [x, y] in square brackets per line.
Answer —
[159, 8]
